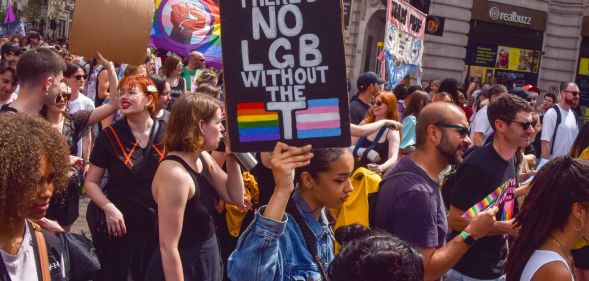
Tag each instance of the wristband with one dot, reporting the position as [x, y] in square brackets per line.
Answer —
[467, 238]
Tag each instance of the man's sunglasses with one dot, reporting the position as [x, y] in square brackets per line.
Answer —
[463, 131]
[79, 77]
[573, 93]
[14, 53]
[526, 125]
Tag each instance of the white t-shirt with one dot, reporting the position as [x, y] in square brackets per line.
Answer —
[22, 266]
[565, 135]
[538, 259]
[480, 124]
[81, 103]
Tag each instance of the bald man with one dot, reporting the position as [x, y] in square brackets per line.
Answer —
[195, 65]
[409, 204]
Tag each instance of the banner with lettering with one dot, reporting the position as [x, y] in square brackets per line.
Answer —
[403, 47]
[284, 74]
[183, 26]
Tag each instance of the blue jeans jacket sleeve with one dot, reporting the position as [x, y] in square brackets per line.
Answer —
[257, 255]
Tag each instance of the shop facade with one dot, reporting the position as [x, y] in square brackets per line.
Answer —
[533, 41]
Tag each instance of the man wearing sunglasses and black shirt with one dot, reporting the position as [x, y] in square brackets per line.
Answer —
[481, 173]
[554, 145]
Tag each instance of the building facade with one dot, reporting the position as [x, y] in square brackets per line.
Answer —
[542, 42]
[54, 19]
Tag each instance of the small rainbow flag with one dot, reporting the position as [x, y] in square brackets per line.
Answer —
[257, 124]
[487, 202]
[320, 119]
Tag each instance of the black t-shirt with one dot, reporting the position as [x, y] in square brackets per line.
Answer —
[130, 173]
[358, 110]
[481, 173]
[7, 108]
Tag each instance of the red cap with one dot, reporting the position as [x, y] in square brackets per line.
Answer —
[531, 88]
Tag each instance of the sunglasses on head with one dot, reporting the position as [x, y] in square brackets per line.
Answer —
[79, 77]
[463, 131]
[573, 93]
[526, 125]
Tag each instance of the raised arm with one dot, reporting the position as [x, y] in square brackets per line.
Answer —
[102, 112]
[257, 255]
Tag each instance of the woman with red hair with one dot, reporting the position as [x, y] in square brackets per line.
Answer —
[130, 151]
[380, 150]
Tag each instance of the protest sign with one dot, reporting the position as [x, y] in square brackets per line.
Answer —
[98, 26]
[284, 73]
[183, 26]
[403, 47]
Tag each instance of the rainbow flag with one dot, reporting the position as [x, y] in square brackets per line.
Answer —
[489, 201]
[183, 26]
[320, 119]
[256, 124]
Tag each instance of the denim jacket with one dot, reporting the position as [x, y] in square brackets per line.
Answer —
[273, 250]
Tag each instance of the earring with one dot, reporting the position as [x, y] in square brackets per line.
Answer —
[582, 225]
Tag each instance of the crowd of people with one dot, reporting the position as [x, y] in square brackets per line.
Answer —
[442, 181]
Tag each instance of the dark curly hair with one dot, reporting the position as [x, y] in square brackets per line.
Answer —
[25, 140]
[371, 255]
[557, 186]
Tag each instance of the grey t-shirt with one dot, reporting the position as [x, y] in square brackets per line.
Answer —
[410, 206]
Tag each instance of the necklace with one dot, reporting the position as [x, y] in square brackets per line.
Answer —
[567, 257]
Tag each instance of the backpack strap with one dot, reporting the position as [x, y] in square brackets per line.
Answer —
[558, 121]
[41, 252]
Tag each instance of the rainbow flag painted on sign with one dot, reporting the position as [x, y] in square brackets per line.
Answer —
[256, 124]
[183, 26]
[320, 119]
[495, 198]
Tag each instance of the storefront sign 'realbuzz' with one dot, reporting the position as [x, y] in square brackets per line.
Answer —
[284, 74]
[403, 47]
[497, 14]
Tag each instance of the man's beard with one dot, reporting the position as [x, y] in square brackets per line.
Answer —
[448, 152]
[572, 102]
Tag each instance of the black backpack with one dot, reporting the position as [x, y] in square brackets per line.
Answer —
[558, 121]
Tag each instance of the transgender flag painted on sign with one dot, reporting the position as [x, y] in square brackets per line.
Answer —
[320, 119]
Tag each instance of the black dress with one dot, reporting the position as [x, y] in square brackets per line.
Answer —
[198, 247]
[131, 169]
[64, 208]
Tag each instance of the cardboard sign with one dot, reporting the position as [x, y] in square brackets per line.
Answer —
[118, 29]
[284, 73]
[403, 47]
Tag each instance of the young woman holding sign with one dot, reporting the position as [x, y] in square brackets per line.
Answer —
[290, 238]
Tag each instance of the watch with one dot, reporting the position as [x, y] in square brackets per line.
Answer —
[467, 238]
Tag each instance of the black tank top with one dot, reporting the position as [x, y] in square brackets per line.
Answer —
[381, 147]
[198, 225]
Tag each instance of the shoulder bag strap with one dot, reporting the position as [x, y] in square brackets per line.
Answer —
[43, 262]
[372, 145]
[558, 121]
[308, 236]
